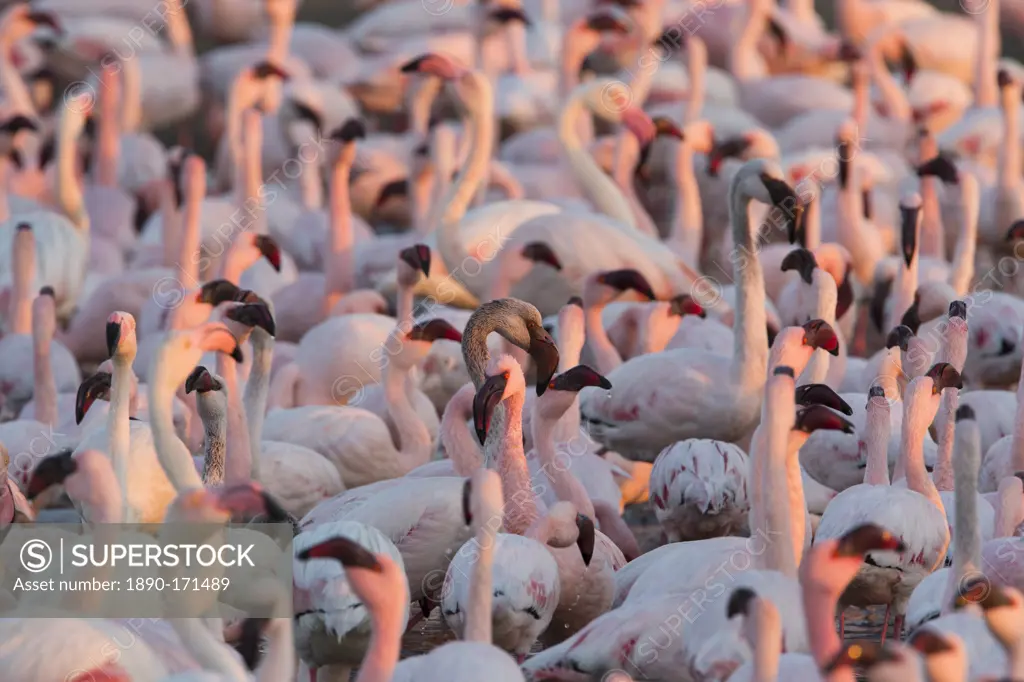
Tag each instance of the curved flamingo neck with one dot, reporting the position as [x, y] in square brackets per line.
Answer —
[413, 437]
[189, 244]
[773, 520]
[876, 442]
[257, 387]
[932, 242]
[213, 412]
[381, 658]
[173, 455]
[627, 154]
[986, 90]
[599, 188]
[916, 419]
[750, 331]
[687, 234]
[894, 98]
[826, 296]
[1009, 154]
[696, 69]
[458, 442]
[744, 61]
[44, 384]
[504, 448]
[820, 602]
[69, 190]
[606, 357]
[339, 268]
[179, 34]
[23, 259]
[104, 169]
[962, 271]
[565, 484]
[238, 465]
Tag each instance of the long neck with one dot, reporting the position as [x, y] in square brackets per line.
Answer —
[797, 500]
[179, 34]
[571, 337]
[986, 90]
[750, 331]
[1008, 510]
[599, 188]
[1017, 441]
[504, 448]
[687, 232]
[775, 533]
[905, 289]
[387, 626]
[458, 442]
[943, 476]
[744, 61]
[478, 611]
[190, 235]
[1009, 154]
[627, 152]
[173, 455]
[931, 243]
[825, 309]
[876, 443]
[131, 96]
[515, 36]
[606, 356]
[252, 177]
[967, 552]
[566, 486]
[820, 604]
[238, 465]
[44, 384]
[15, 91]
[894, 98]
[481, 126]
[311, 184]
[256, 388]
[118, 424]
[23, 264]
[915, 427]
[215, 425]
[69, 191]
[767, 641]
[861, 96]
[812, 223]
[412, 432]
[5, 178]
[696, 68]
[962, 271]
[109, 142]
[340, 271]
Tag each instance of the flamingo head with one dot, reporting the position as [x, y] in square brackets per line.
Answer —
[803, 262]
[822, 394]
[414, 260]
[121, 341]
[505, 379]
[685, 304]
[819, 334]
[201, 381]
[93, 388]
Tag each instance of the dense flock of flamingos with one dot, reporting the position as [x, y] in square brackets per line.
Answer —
[457, 283]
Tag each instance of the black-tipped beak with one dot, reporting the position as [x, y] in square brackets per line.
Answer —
[866, 538]
[578, 378]
[821, 394]
[348, 553]
[236, 354]
[958, 309]
[218, 291]
[819, 334]
[730, 148]
[253, 315]
[912, 317]
[16, 124]
[845, 293]
[899, 337]
[803, 261]
[940, 167]
[965, 412]
[395, 188]
[113, 337]
[352, 129]
[417, 257]
[539, 252]
[819, 418]
[91, 388]
[544, 353]
[926, 643]
[266, 69]
[843, 159]
[685, 305]
[305, 113]
[51, 471]
[587, 537]
[1016, 231]
[44, 19]
[201, 380]
[876, 311]
[739, 602]
[785, 199]
[467, 502]
[943, 376]
[488, 396]
[434, 330]
[270, 250]
[507, 15]
[908, 230]
[624, 280]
